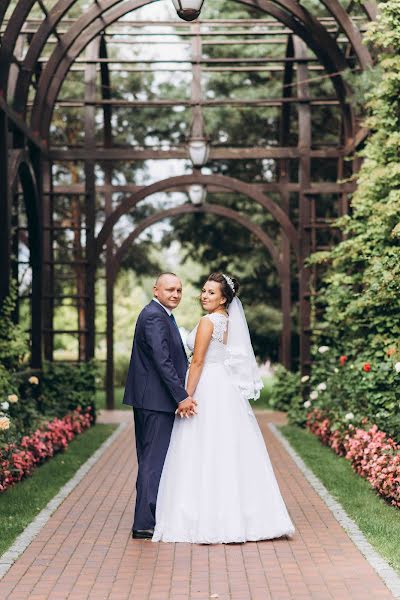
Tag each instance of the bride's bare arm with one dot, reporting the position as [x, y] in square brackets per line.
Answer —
[202, 341]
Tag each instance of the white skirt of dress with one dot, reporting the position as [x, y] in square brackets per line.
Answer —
[217, 484]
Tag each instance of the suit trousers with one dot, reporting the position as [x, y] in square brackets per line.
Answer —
[153, 432]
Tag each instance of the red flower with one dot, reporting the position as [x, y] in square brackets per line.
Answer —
[367, 367]
[342, 360]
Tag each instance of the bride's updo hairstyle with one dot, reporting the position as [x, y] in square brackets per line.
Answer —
[226, 286]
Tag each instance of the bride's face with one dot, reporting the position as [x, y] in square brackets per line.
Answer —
[211, 297]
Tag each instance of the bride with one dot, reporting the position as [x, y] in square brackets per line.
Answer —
[217, 484]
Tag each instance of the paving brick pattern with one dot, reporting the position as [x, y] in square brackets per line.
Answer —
[85, 550]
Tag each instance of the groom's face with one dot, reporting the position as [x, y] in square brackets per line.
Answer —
[168, 291]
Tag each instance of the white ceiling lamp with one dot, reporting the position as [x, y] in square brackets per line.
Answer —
[197, 144]
[197, 194]
[199, 151]
[188, 10]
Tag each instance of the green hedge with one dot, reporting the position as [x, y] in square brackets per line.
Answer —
[27, 398]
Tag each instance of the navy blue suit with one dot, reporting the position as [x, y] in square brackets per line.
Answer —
[154, 387]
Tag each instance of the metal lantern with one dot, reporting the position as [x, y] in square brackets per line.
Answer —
[199, 150]
[188, 10]
[197, 194]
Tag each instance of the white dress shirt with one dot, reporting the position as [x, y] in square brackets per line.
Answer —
[167, 310]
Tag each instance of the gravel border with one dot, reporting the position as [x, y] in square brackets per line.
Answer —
[383, 569]
[31, 531]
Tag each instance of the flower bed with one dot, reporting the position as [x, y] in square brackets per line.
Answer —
[19, 460]
[372, 454]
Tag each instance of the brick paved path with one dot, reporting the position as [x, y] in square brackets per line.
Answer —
[85, 550]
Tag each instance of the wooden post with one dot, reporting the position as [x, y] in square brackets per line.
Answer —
[90, 201]
[48, 261]
[285, 277]
[110, 274]
[33, 205]
[304, 145]
[5, 211]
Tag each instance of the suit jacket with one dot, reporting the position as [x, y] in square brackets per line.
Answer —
[157, 370]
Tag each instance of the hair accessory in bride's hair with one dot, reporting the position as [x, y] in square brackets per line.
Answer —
[229, 282]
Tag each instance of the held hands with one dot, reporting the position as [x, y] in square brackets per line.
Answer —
[187, 408]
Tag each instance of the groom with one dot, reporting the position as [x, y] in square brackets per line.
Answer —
[155, 388]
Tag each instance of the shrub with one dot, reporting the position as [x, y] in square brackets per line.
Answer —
[285, 389]
[17, 460]
[14, 346]
[29, 399]
[347, 386]
[67, 386]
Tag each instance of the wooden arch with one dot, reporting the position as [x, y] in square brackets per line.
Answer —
[317, 36]
[93, 22]
[21, 170]
[183, 181]
[215, 209]
[222, 211]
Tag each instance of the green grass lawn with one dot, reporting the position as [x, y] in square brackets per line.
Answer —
[118, 396]
[20, 504]
[379, 522]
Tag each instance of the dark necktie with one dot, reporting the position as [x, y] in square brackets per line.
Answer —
[171, 316]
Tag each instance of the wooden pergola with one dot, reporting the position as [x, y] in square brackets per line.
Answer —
[36, 56]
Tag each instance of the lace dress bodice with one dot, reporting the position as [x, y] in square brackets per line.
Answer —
[216, 351]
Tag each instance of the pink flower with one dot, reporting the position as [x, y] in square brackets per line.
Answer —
[372, 454]
[17, 462]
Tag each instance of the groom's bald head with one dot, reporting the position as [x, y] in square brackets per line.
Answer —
[168, 290]
[161, 276]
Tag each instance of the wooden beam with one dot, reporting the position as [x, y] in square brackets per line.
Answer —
[129, 23]
[178, 61]
[187, 102]
[324, 187]
[231, 153]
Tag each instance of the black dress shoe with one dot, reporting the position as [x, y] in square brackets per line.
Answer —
[142, 534]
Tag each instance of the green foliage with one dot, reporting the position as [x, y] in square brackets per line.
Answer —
[55, 391]
[265, 324]
[361, 298]
[7, 384]
[27, 397]
[13, 340]
[353, 390]
[285, 389]
[67, 386]
[25, 414]
[121, 365]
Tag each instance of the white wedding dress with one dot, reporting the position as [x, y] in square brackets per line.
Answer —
[218, 485]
